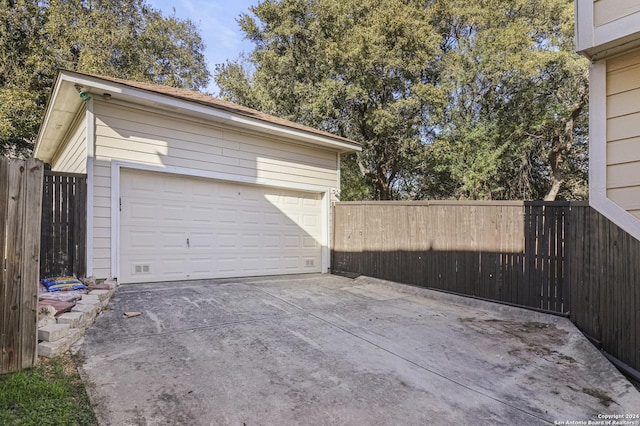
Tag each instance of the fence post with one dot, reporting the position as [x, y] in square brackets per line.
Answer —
[21, 201]
[5, 362]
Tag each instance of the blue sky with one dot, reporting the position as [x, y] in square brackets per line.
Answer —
[216, 21]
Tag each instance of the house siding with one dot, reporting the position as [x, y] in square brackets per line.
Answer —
[606, 11]
[623, 131]
[72, 157]
[102, 219]
[159, 138]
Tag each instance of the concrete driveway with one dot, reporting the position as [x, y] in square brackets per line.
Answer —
[322, 349]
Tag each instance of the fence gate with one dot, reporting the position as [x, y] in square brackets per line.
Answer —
[64, 225]
[546, 229]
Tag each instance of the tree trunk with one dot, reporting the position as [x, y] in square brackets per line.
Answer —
[383, 189]
[556, 185]
[379, 179]
[563, 145]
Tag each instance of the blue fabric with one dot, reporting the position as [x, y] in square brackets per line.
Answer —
[62, 284]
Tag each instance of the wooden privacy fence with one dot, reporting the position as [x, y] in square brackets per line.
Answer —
[508, 251]
[604, 280]
[64, 225]
[20, 203]
[554, 256]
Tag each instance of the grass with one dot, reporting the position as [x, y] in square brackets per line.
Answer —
[51, 393]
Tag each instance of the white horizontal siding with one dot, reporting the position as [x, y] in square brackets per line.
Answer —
[623, 103]
[623, 151]
[627, 198]
[153, 138]
[161, 139]
[102, 219]
[623, 175]
[72, 158]
[605, 11]
[623, 127]
[623, 131]
[623, 79]
[618, 62]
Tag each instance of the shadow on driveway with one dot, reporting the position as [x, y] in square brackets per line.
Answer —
[323, 349]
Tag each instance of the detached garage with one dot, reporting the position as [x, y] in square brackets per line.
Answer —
[185, 186]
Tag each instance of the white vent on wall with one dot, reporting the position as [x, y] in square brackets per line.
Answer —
[141, 269]
[309, 262]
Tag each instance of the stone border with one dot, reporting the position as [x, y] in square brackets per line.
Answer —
[55, 338]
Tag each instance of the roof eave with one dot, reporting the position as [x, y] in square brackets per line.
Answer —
[97, 86]
[42, 140]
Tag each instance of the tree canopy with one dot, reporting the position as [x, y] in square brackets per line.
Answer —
[450, 98]
[117, 38]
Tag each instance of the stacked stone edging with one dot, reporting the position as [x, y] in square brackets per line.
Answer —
[57, 338]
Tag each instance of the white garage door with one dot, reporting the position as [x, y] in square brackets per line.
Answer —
[180, 228]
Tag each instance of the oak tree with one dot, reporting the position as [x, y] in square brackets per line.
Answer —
[117, 38]
[450, 98]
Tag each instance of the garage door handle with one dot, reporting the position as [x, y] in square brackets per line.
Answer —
[187, 242]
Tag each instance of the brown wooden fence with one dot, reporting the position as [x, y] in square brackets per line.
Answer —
[507, 251]
[559, 257]
[64, 225]
[20, 203]
[605, 284]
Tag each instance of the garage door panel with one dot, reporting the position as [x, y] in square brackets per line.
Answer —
[251, 264]
[310, 202]
[139, 240]
[171, 240]
[251, 241]
[143, 185]
[173, 267]
[227, 263]
[291, 223]
[202, 215]
[271, 263]
[271, 241]
[226, 240]
[272, 218]
[250, 195]
[172, 212]
[291, 241]
[250, 217]
[291, 262]
[140, 267]
[201, 265]
[174, 190]
[233, 229]
[309, 242]
[228, 192]
[311, 221]
[226, 215]
[142, 210]
[201, 240]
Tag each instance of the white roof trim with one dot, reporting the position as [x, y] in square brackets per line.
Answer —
[47, 117]
[97, 86]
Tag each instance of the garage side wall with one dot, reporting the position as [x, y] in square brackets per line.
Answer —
[160, 139]
[623, 131]
[72, 157]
